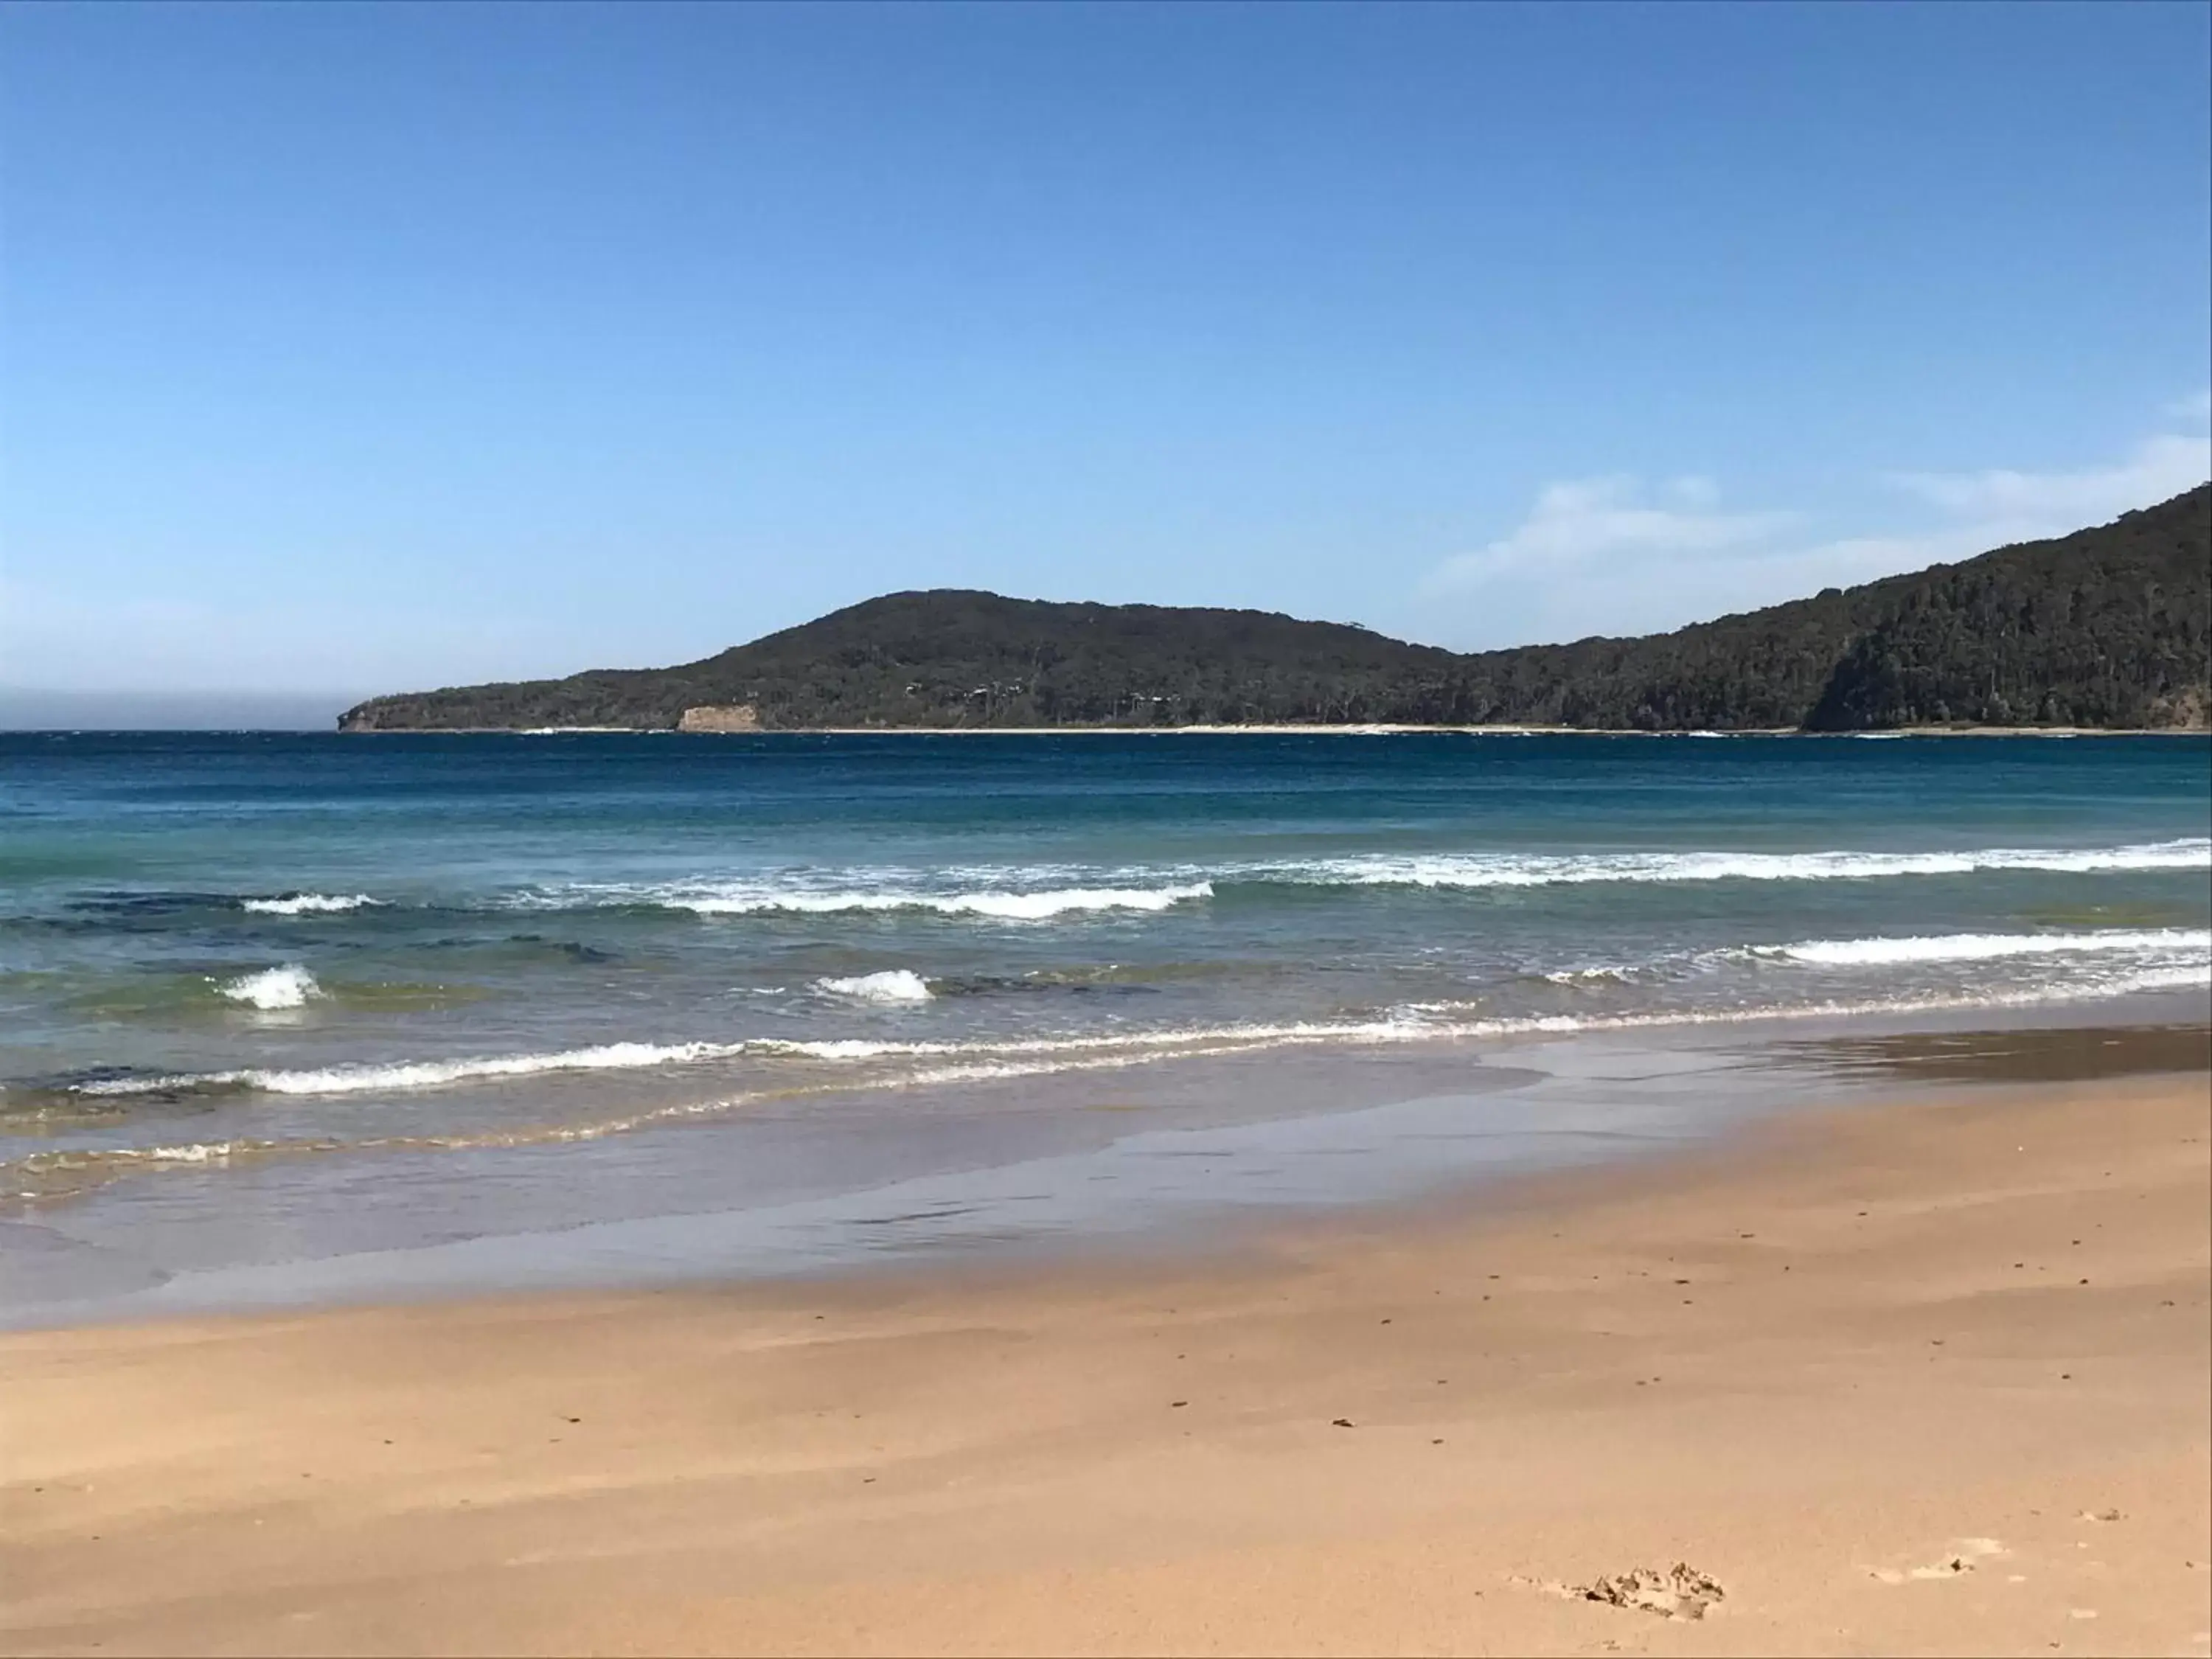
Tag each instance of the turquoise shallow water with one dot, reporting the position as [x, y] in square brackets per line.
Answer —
[238, 969]
[207, 939]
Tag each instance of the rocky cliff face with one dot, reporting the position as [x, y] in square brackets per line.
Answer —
[719, 717]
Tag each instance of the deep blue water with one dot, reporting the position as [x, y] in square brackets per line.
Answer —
[217, 950]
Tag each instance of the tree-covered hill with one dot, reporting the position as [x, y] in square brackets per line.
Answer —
[2107, 627]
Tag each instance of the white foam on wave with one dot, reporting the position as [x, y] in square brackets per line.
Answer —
[1011, 893]
[985, 1062]
[305, 904]
[197, 1151]
[2193, 942]
[420, 1073]
[289, 987]
[1590, 976]
[630, 1056]
[1005, 905]
[892, 985]
[1412, 1021]
[1548, 869]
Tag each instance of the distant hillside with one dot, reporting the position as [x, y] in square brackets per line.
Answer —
[2107, 627]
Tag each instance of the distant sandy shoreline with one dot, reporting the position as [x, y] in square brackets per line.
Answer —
[1359, 731]
[1923, 1377]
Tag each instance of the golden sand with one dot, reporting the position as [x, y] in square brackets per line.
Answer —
[1929, 1378]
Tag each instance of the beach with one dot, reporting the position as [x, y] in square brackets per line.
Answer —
[1246, 1194]
[1106, 830]
[1923, 1375]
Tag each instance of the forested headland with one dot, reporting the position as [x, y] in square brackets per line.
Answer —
[2109, 627]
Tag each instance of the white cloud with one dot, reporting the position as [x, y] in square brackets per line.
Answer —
[1613, 556]
[2160, 467]
[1581, 522]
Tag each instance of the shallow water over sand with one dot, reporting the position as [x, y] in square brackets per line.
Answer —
[268, 999]
[1168, 1153]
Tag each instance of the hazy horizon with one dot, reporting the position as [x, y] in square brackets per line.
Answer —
[30, 709]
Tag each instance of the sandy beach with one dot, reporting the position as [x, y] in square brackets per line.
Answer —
[1930, 1377]
[1084, 830]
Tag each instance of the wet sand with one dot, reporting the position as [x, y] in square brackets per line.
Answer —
[1931, 1377]
[2024, 1053]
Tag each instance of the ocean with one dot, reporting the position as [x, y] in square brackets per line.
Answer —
[269, 999]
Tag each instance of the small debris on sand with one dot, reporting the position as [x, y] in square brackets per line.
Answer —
[2099, 1515]
[1681, 1593]
[1968, 1552]
[1340, 1422]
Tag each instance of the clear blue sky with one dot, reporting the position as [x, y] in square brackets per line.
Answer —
[351, 349]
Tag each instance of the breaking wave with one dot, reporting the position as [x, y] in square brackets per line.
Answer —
[1001, 905]
[306, 904]
[415, 1074]
[998, 895]
[893, 985]
[1548, 869]
[2195, 942]
[1409, 1023]
[289, 987]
